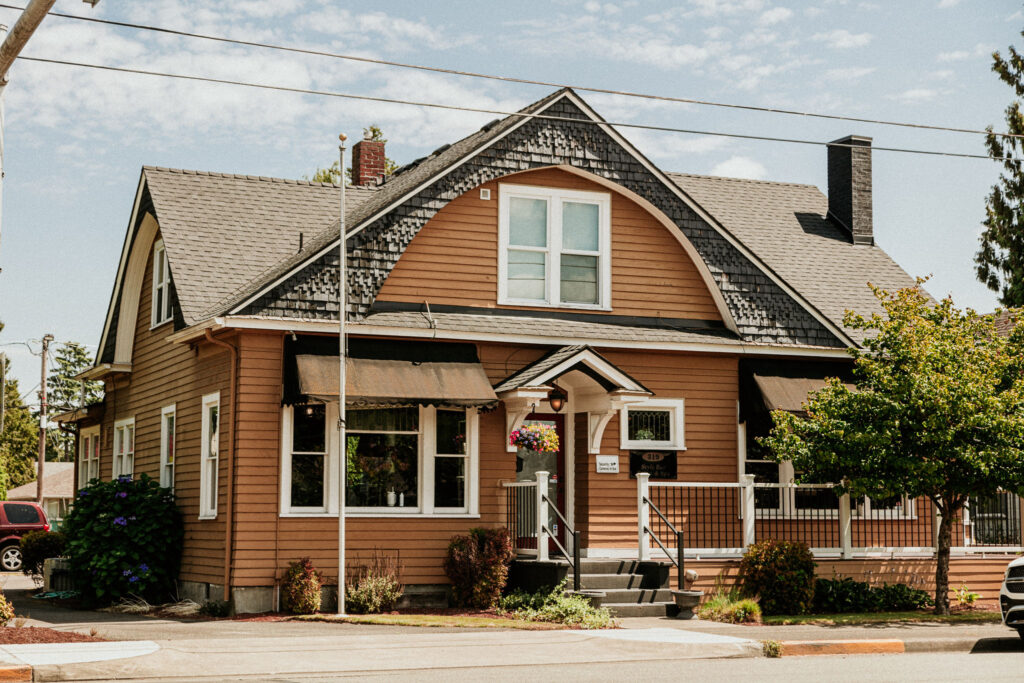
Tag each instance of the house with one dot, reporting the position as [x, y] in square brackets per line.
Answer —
[58, 490]
[540, 270]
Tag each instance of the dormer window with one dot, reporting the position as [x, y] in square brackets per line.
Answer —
[554, 248]
[161, 285]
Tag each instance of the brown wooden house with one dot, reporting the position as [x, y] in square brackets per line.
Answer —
[542, 257]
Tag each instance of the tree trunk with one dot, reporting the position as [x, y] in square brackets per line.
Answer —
[942, 557]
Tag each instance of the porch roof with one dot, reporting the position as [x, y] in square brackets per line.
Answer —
[580, 357]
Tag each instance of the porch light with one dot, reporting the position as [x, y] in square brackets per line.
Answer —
[556, 399]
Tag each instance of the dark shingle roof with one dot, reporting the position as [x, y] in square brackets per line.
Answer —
[223, 230]
[785, 225]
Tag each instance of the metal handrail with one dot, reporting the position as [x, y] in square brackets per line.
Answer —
[680, 561]
[663, 518]
[558, 512]
[575, 541]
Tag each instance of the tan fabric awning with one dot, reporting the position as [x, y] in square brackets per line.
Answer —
[381, 382]
[789, 393]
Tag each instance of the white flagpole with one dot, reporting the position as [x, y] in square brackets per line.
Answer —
[342, 444]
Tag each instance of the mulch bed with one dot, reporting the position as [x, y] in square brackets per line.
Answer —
[12, 635]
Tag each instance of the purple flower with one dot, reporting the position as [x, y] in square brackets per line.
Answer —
[125, 478]
[143, 567]
[126, 572]
[133, 579]
[120, 521]
[83, 493]
[122, 494]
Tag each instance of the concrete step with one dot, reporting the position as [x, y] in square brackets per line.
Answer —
[607, 581]
[632, 609]
[599, 566]
[638, 595]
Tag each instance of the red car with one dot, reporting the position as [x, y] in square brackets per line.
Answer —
[16, 520]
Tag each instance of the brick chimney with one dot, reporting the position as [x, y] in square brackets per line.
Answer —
[368, 162]
[849, 186]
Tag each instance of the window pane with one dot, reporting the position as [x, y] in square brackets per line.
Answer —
[580, 226]
[19, 513]
[159, 304]
[211, 470]
[579, 279]
[307, 480]
[449, 482]
[213, 412]
[526, 274]
[309, 429]
[528, 222]
[170, 439]
[650, 425]
[815, 499]
[383, 420]
[451, 432]
[379, 464]
[130, 431]
[764, 473]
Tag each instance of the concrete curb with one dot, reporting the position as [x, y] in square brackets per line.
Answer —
[803, 648]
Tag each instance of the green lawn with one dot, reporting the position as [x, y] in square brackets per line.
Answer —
[974, 617]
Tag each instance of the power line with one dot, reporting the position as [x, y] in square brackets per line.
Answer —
[477, 110]
[524, 81]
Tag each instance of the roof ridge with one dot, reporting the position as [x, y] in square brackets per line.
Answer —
[258, 178]
[739, 180]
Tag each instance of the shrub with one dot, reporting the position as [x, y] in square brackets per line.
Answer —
[555, 606]
[837, 596]
[39, 546]
[6, 610]
[898, 597]
[215, 608]
[965, 597]
[781, 574]
[124, 538]
[375, 587]
[300, 591]
[730, 606]
[771, 649]
[477, 565]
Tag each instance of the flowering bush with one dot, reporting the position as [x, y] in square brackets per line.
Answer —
[477, 565]
[124, 538]
[540, 438]
[300, 591]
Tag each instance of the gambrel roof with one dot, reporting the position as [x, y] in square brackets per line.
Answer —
[784, 272]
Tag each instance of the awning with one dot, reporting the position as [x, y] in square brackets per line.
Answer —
[789, 393]
[371, 381]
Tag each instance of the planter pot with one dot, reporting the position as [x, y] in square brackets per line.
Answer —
[686, 601]
[595, 598]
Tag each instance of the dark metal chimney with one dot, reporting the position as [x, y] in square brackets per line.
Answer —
[849, 186]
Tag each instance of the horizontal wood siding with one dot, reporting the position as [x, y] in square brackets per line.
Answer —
[454, 258]
[164, 373]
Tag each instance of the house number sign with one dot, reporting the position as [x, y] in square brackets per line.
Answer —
[658, 464]
[607, 464]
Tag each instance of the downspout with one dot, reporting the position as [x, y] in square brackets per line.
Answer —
[229, 512]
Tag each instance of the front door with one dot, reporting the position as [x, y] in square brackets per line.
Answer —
[529, 462]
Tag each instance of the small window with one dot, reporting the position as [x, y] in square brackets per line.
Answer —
[124, 448]
[653, 425]
[209, 460]
[450, 460]
[88, 456]
[555, 247]
[167, 444]
[308, 468]
[161, 285]
[21, 513]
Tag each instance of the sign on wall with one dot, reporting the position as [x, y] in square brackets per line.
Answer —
[658, 464]
[607, 464]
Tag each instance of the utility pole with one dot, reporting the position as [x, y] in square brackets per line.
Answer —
[3, 390]
[42, 420]
[342, 443]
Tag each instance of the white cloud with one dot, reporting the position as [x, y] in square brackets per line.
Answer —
[776, 15]
[813, 12]
[915, 95]
[945, 4]
[979, 50]
[607, 8]
[851, 73]
[740, 167]
[841, 39]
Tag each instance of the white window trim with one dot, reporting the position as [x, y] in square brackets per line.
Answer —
[425, 492]
[205, 511]
[165, 412]
[675, 406]
[117, 468]
[862, 511]
[554, 196]
[158, 317]
[87, 440]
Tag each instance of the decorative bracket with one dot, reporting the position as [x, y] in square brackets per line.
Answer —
[518, 404]
[602, 413]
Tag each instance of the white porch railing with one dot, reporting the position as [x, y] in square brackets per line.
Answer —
[723, 518]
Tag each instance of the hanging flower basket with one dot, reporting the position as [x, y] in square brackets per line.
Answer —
[540, 438]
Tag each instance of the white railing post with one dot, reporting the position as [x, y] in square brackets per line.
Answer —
[845, 527]
[542, 515]
[643, 490]
[748, 510]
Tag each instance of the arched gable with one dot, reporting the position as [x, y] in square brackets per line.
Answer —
[132, 288]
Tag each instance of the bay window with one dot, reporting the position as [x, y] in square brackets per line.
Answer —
[554, 247]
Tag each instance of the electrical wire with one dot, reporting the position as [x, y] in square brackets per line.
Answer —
[477, 110]
[523, 81]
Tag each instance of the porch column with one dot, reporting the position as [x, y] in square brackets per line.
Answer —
[542, 515]
[643, 489]
[748, 510]
[845, 527]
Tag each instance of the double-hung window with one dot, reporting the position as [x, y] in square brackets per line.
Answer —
[307, 477]
[653, 425]
[167, 438]
[208, 457]
[161, 286]
[554, 248]
[124, 447]
[383, 452]
[451, 461]
[88, 456]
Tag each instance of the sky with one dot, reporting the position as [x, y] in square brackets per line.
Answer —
[76, 139]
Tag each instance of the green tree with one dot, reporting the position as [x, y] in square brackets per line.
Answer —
[1000, 258]
[938, 412]
[64, 392]
[19, 441]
